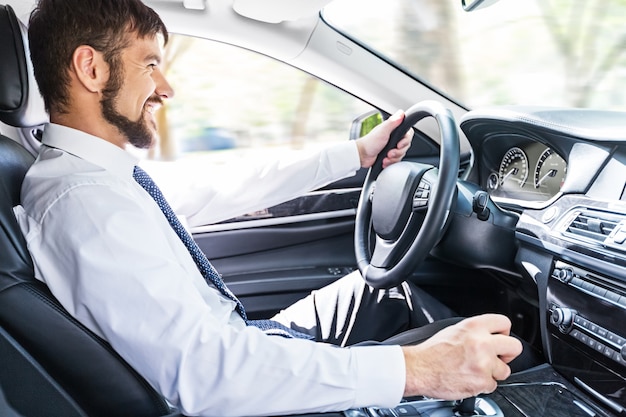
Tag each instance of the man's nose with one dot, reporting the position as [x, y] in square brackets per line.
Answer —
[163, 88]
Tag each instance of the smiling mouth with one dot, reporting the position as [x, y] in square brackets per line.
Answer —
[152, 105]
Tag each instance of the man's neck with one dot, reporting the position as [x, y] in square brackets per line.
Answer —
[93, 125]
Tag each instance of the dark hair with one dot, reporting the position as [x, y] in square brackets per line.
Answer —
[58, 27]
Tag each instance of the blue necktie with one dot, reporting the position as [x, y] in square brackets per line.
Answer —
[204, 266]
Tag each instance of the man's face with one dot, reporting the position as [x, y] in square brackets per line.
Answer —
[135, 90]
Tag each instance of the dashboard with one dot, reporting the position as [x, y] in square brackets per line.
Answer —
[563, 172]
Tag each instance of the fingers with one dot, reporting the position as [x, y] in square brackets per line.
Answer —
[492, 323]
[370, 145]
[462, 360]
[399, 152]
[501, 371]
[508, 348]
[396, 118]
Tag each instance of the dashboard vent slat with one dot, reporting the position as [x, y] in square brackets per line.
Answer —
[596, 226]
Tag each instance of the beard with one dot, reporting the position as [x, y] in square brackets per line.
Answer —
[138, 133]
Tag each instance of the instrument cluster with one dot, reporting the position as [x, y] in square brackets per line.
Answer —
[528, 171]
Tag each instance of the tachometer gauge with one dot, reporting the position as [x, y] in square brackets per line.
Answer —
[550, 172]
[513, 168]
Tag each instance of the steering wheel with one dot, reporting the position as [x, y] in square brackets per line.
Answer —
[407, 204]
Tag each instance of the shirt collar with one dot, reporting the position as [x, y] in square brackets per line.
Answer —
[90, 148]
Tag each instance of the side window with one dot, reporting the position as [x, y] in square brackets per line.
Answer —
[231, 104]
[230, 101]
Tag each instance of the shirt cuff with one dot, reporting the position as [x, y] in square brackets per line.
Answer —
[381, 375]
[344, 159]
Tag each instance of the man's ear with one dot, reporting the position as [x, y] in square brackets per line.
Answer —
[90, 68]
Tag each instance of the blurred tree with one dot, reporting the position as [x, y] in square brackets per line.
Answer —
[583, 32]
[431, 25]
[166, 147]
[303, 112]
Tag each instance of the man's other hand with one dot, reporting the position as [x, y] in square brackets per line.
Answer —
[372, 144]
[462, 360]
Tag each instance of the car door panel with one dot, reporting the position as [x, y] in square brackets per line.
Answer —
[270, 267]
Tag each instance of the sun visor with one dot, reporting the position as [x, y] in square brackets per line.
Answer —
[276, 11]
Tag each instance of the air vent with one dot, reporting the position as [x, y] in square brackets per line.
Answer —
[592, 225]
[464, 169]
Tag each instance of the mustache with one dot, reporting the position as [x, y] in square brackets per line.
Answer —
[155, 100]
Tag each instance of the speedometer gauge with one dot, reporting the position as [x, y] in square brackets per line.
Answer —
[513, 169]
[550, 172]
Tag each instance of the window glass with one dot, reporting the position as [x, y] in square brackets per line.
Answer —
[234, 108]
[558, 53]
[231, 104]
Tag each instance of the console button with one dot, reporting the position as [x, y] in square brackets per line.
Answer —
[612, 296]
[385, 412]
[588, 286]
[599, 291]
[612, 337]
[620, 236]
[584, 323]
[577, 282]
[563, 318]
[406, 410]
[564, 275]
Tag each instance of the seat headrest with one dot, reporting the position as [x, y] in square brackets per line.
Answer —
[21, 105]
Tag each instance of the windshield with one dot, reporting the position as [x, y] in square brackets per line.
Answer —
[532, 52]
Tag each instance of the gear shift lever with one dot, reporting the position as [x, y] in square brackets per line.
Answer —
[466, 407]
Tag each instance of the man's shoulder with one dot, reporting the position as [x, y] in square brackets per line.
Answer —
[58, 176]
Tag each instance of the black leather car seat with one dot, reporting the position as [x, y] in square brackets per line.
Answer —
[50, 365]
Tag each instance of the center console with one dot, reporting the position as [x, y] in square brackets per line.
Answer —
[584, 338]
[587, 332]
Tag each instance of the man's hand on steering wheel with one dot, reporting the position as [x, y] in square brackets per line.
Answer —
[372, 144]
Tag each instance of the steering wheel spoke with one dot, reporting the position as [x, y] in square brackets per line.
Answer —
[409, 205]
[387, 252]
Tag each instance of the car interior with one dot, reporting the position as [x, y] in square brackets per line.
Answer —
[558, 261]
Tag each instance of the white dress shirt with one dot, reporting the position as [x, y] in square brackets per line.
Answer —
[253, 183]
[108, 254]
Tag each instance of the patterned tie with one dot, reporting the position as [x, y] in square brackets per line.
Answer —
[206, 269]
